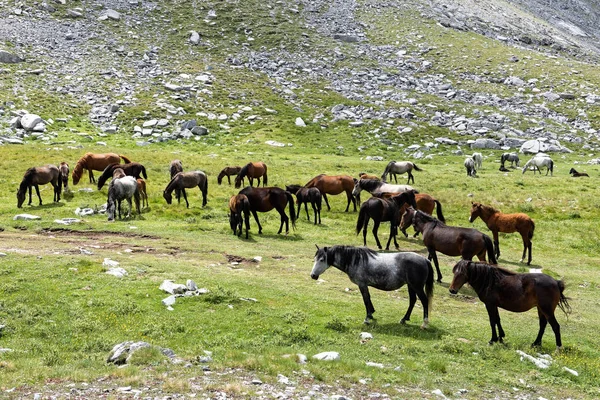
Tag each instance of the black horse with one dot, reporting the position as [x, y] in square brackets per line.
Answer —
[307, 195]
[267, 198]
[131, 169]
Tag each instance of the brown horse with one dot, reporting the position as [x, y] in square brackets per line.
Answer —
[142, 190]
[64, 175]
[498, 287]
[334, 184]
[239, 211]
[449, 240]
[184, 180]
[39, 176]
[95, 162]
[506, 223]
[425, 203]
[364, 175]
[251, 171]
[175, 167]
[267, 198]
[228, 172]
[307, 195]
[132, 169]
[575, 174]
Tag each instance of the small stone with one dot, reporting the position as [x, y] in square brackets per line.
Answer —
[194, 37]
[112, 14]
[327, 356]
[25, 217]
[169, 301]
[110, 263]
[191, 285]
[300, 122]
[256, 382]
[118, 272]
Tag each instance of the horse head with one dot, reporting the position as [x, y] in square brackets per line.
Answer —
[475, 211]
[461, 276]
[407, 218]
[357, 188]
[20, 197]
[168, 197]
[320, 264]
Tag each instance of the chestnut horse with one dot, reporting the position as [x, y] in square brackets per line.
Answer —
[251, 171]
[35, 176]
[239, 211]
[334, 184]
[506, 223]
[267, 198]
[95, 162]
[142, 190]
[132, 169]
[499, 287]
[64, 175]
[425, 203]
[184, 180]
[228, 172]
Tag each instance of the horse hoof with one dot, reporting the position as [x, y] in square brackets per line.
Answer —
[402, 321]
[559, 349]
[425, 324]
[367, 321]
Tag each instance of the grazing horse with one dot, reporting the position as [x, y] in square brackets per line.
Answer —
[228, 172]
[143, 193]
[375, 185]
[383, 271]
[512, 157]
[35, 176]
[252, 170]
[395, 167]
[95, 162]
[239, 211]
[478, 159]
[506, 223]
[470, 167]
[381, 210]
[122, 189]
[449, 240]
[307, 195]
[576, 174]
[134, 169]
[183, 180]
[538, 161]
[267, 198]
[176, 167]
[334, 184]
[499, 287]
[64, 175]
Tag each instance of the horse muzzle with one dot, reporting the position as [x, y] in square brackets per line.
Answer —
[453, 291]
[314, 276]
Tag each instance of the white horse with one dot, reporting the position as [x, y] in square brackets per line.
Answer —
[538, 161]
[478, 158]
[470, 166]
[119, 189]
[400, 167]
[375, 185]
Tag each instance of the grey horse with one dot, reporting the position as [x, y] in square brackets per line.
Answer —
[121, 189]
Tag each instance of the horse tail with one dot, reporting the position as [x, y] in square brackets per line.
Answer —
[127, 160]
[551, 167]
[429, 284]
[265, 177]
[362, 215]
[490, 248]
[563, 302]
[416, 168]
[438, 210]
[290, 200]
[530, 233]
[143, 171]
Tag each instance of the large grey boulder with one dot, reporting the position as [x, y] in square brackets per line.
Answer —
[29, 121]
[483, 143]
[9, 58]
[122, 352]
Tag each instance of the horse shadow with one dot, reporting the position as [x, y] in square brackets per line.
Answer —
[409, 329]
[46, 205]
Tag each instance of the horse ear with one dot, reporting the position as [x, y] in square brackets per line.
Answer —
[317, 247]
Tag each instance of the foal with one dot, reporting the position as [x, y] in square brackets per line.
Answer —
[576, 174]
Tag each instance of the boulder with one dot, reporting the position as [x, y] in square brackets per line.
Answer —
[483, 143]
[122, 352]
[300, 122]
[9, 58]
[112, 14]
[29, 121]
[118, 272]
[194, 37]
[327, 356]
[172, 287]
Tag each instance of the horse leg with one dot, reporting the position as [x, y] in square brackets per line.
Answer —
[37, 191]
[187, 204]
[433, 256]
[364, 290]
[327, 202]
[203, 195]
[525, 245]
[314, 207]
[492, 312]
[364, 229]
[556, 328]
[529, 258]
[410, 176]
[306, 209]
[130, 207]
[496, 244]
[284, 219]
[247, 222]
[29, 196]
[257, 222]
[412, 299]
[251, 181]
[350, 198]
[499, 325]
[543, 323]
[375, 229]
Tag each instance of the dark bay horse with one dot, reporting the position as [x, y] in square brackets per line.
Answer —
[95, 162]
[239, 211]
[307, 195]
[383, 271]
[175, 167]
[134, 169]
[228, 172]
[506, 223]
[576, 174]
[381, 210]
[267, 198]
[64, 175]
[252, 170]
[449, 240]
[498, 287]
[400, 167]
[334, 184]
[425, 203]
[35, 176]
[183, 180]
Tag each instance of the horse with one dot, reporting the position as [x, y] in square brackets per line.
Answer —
[175, 167]
[498, 287]
[143, 193]
[383, 210]
[334, 184]
[507, 223]
[478, 159]
[118, 173]
[134, 169]
[449, 240]
[575, 174]
[470, 167]
[239, 211]
[364, 175]
[539, 161]
[375, 185]
[395, 167]
[35, 176]
[228, 172]
[383, 271]
[267, 198]
[95, 162]
[122, 189]
[64, 175]
[252, 170]
[512, 157]
[183, 180]
[307, 195]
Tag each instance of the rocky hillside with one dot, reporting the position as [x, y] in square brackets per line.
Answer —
[398, 73]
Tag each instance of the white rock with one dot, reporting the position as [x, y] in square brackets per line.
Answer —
[366, 336]
[301, 359]
[194, 37]
[438, 393]
[571, 371]
[169, 301]
[110, 263]
[327, 356]
[257, 259]
[373, 364]
[172, 288]
[67, 221]
[2, 255]
[112, 14]
[25, 217]
[300, 122]
[149, 124]
[191, 285]
[274, 143]
[118, 272]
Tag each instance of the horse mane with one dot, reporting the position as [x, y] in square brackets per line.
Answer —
[170, 187]
[349, 255]
[489, 208]
[293, 188]
[429, 218]
[483, 275]
[27, 178]
[369, 184]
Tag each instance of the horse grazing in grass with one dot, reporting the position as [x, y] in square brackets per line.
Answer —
[449, 240]
[134, 169]
[95, 162]
[64, 175]
[498, 287]
[400, 167]
[381, 210]
[121, 189]
[228, 172]
[35, 176]
[575, 174]
[252, 170]
[538, 161]
[383, 271]
[267, 198]
[478, 159]
[506, 223]
[470, 167]
[183, 180]
[143, 193]
[239, 211]
[334, 184]
[307, 195]
[512, 157]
